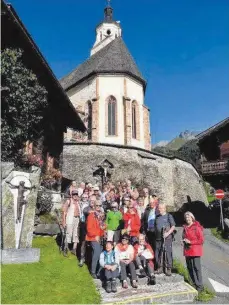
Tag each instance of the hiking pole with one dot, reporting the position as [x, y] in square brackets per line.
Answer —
[63, 246]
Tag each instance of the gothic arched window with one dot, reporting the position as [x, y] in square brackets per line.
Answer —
[134, 120]
[111, 116]
[88, 114]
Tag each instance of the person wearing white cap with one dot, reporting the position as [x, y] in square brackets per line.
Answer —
[114, 222]
[97, 192]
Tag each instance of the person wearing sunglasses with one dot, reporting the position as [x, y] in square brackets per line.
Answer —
[71, 219]
[114, 223]
[126, 257]
[109, 262]
[95, 231]
[144, 256]
[132, 222]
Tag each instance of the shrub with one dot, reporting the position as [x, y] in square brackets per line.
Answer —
[44, 201]
[23, 103]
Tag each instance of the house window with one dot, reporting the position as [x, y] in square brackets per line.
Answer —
[112, 115]
[134, 121]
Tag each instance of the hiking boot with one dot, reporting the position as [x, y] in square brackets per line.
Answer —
[168, 271]
[81, 263]
[134, 284]
[108, 286]
[113, 286]
[159, 270]
[73, 251]
[152, 280]
[124, 284]
[93, 275]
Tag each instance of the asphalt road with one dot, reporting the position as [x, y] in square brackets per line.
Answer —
[215, 264]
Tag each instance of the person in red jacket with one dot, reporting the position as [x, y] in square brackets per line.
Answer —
[144, 255]
[193, 240]
[132, 222]
[95, 232]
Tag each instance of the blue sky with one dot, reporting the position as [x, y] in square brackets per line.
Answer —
[180, 46]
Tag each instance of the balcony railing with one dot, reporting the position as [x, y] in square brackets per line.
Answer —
[214, 167]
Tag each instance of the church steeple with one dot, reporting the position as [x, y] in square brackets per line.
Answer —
[107, 30]
[108, 12]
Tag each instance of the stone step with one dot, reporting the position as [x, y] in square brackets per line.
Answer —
[160, 279]
[167, 290]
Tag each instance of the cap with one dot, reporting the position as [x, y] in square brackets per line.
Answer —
[96, 188]
[74, 192]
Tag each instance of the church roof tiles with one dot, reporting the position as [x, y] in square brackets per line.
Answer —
[113, 58]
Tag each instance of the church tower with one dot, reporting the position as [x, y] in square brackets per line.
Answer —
[108, 91]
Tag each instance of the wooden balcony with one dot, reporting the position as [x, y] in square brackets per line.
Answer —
[214, 167]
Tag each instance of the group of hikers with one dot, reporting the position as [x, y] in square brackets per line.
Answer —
[127, 229]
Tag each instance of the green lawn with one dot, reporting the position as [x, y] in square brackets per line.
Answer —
[211, 198]
[54, 280]
[218, 234]
[204, 296]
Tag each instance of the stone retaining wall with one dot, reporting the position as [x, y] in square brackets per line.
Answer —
[173, 180]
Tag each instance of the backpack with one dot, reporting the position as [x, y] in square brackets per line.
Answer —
[168, 221]
[113, 256]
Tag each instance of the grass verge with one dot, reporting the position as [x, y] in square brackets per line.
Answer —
[219, 234]
[204, 296]
[53, 280]
[211, 198]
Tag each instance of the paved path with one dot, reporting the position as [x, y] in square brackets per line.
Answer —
[215, 262]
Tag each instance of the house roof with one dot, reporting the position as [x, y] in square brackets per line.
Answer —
[114, 58]
[15, 35]
[213, 129]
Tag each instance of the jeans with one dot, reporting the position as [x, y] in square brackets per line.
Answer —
[146, 263]
[167, 258]
[194, 269]
[96, 250]
[131, 268]
[111, 274]
[83, 249]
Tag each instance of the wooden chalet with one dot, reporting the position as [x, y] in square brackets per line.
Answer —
[214, 148]
[60, 113]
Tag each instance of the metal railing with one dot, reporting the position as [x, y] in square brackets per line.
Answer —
[214, 167]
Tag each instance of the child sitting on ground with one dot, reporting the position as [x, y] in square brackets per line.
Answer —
[109, 261]
[144, 256]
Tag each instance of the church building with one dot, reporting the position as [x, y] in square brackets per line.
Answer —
[108, 92]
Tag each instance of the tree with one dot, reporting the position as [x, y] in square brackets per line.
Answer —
[23, 103]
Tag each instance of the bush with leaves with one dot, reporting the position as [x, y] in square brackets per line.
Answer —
[44, 201]
[23, 103]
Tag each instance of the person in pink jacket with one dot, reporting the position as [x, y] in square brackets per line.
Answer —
[193, 240]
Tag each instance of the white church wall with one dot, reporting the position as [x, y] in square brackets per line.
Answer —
[111, 85]
[85, 91]
[135, 92]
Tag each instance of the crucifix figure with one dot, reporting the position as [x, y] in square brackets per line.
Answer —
[20, 197]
